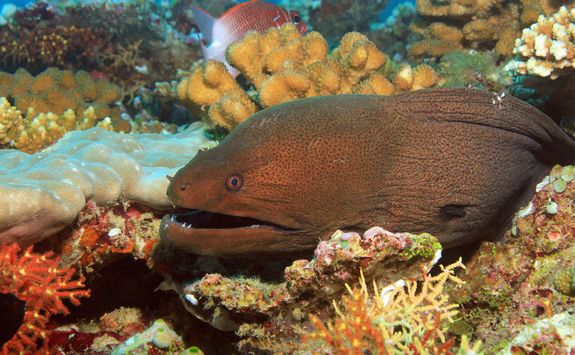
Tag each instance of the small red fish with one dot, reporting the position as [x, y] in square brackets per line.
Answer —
[219, 33]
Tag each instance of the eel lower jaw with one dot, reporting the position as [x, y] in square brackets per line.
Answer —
[206, 233]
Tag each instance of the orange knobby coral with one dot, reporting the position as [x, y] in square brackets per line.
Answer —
[37, 280]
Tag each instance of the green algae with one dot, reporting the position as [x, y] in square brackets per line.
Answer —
[424, 246]
[559, 185]
[568, 173]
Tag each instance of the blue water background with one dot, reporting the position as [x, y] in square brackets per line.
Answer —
[385, 13]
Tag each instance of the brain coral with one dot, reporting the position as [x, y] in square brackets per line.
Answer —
[283, 65]
[44, 192]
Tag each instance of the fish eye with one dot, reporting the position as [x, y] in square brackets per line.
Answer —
[234, 183]
[296, 19]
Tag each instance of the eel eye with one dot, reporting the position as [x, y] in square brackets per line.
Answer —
[234, 183]
[296, 19]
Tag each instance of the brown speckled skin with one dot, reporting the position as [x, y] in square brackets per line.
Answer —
[451, 162]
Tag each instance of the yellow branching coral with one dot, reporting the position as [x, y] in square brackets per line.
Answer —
[470, 24]
[207, 84]
[404, 317]
[420, 77]
[283, 65]
[57, 91]
[233, 107]
[33, 132]
[547, 46]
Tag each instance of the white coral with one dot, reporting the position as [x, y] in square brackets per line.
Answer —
[547, 45]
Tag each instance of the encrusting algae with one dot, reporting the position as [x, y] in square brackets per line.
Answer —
[283, 65]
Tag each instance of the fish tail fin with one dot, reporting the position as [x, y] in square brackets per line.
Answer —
[205, 22]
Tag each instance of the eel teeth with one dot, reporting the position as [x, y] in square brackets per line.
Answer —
[255, 226]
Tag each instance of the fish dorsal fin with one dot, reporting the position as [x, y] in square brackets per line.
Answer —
[238, 7]
[205, 22]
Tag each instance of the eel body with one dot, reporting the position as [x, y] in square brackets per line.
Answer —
[456, 163]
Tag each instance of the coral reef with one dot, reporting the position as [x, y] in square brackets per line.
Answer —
[37, 280]
[404, 317]
[121, 331]
[283, 65]
[547, 336]
[46, 191]
[484, 25]
[527, 278]
[547, 46]
[100, 232]
[260, 312]
[32, 132]
[158, 338]
[130, 44]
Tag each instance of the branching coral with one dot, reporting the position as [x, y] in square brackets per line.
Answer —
[461, 24]
[49, 46]
[55, 102]
[59, 90]
[548, 46]
[283, 65]
[38, 281]
[404, 317]
[33, 132]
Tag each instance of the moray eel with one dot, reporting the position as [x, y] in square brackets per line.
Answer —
[456, 163]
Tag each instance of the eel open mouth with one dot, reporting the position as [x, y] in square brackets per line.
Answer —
[209, 233]
[199, 219]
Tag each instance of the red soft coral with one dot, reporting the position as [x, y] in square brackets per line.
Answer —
[37, 280]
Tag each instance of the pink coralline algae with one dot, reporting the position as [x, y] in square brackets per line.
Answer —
[102, 231]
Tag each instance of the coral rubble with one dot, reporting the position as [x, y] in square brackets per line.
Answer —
[37, 280]
[528, 278]
[100, 232]
[260, 312]
[46, 191]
